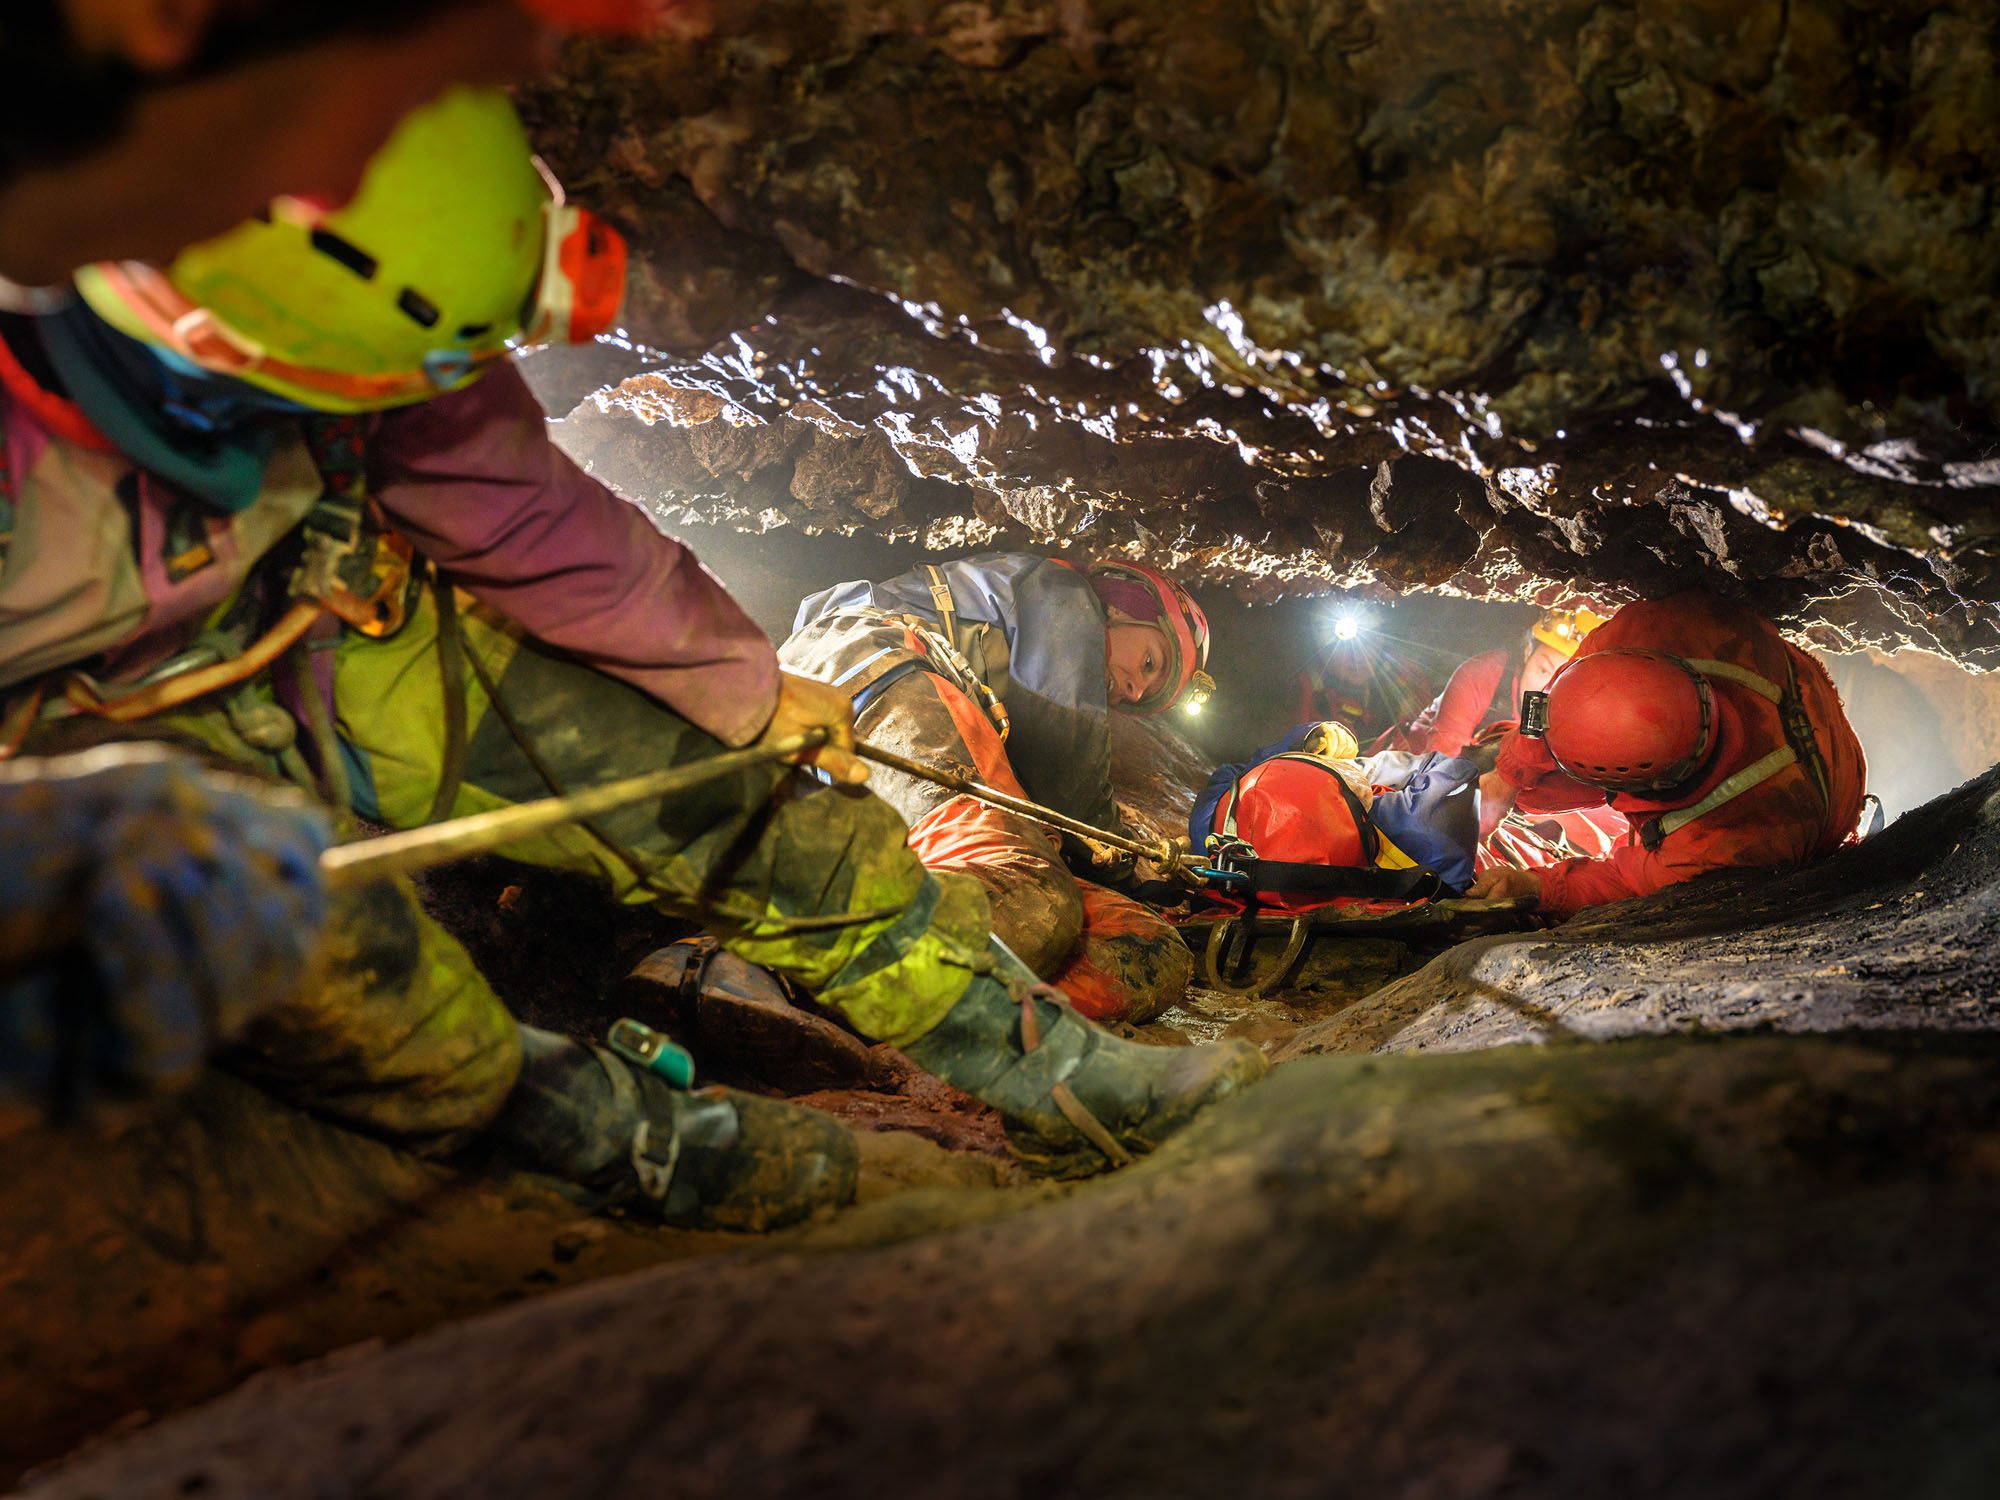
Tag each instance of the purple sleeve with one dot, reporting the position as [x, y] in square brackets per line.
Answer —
[475, 484]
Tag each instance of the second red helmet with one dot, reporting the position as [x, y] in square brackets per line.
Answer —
[1295, 810]
[1630, 720]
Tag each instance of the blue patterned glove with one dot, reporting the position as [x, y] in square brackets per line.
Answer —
[148, 908]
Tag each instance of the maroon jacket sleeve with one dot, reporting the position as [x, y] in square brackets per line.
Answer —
[474, 482]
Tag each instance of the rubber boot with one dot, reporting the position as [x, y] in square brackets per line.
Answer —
[699, 1159]
[1077, 1099]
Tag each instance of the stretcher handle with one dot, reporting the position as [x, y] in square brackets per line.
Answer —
[1162, 853]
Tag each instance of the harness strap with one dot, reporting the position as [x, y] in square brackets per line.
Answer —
[1801, 748]
[1654, 830]
[1279, 877]
[451, 674]
[941, 598]
[359, 568]
[924, 640]
[1804, 739]
[1742, 677]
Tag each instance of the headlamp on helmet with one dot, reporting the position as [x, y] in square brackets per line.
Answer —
[1534, 715]
[1564, 629]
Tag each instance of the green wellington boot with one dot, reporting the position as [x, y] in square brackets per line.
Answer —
[1077, 1099]
[696, 1158]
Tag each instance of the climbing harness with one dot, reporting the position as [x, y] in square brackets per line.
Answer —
[352, 566]
[1801, 748]
[929, 645]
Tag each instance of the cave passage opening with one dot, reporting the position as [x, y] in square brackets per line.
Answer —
[1927, 723]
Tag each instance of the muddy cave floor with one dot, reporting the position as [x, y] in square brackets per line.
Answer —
[1727, 1229]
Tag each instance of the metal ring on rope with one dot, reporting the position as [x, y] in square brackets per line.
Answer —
[1218, 941]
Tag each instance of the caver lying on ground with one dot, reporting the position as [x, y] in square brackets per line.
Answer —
[1310, 800]
[216, 476]
[1007, 667]
[1721, 742]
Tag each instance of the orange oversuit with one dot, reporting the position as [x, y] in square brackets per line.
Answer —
[1783, 820]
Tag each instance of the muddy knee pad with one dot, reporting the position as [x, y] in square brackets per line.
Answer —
[1037, 910]
[401, 1036]
[1129, 965]
[1037, 915]
[910, 718]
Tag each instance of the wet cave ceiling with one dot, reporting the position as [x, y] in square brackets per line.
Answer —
[1522, 302]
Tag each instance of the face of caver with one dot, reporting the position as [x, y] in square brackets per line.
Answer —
[1135, 659]
[1542, 664]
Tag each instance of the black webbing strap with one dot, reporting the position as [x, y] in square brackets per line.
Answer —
[451, 671]
[1276, 877]
[1802, 737]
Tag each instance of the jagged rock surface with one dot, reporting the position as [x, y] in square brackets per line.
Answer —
[1890, 935]
[1648, 1269]
[1654, 1266]
[1521, 301]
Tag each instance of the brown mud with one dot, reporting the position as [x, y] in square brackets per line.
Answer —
[1737, 1262]
[1660, 1267]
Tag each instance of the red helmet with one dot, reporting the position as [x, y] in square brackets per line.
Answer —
[1180, 619]
[1630, 720]
[1296, 810]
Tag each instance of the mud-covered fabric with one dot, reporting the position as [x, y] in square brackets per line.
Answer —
[1033, 631]
[148, 908]
[377, 1018]
[401, 1036]
[764, 842]
[1128, 964]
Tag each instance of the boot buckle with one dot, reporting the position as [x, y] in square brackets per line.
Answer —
[655, 1174]
[651, 1051]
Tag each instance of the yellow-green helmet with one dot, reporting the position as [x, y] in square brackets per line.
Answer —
[404, 292]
